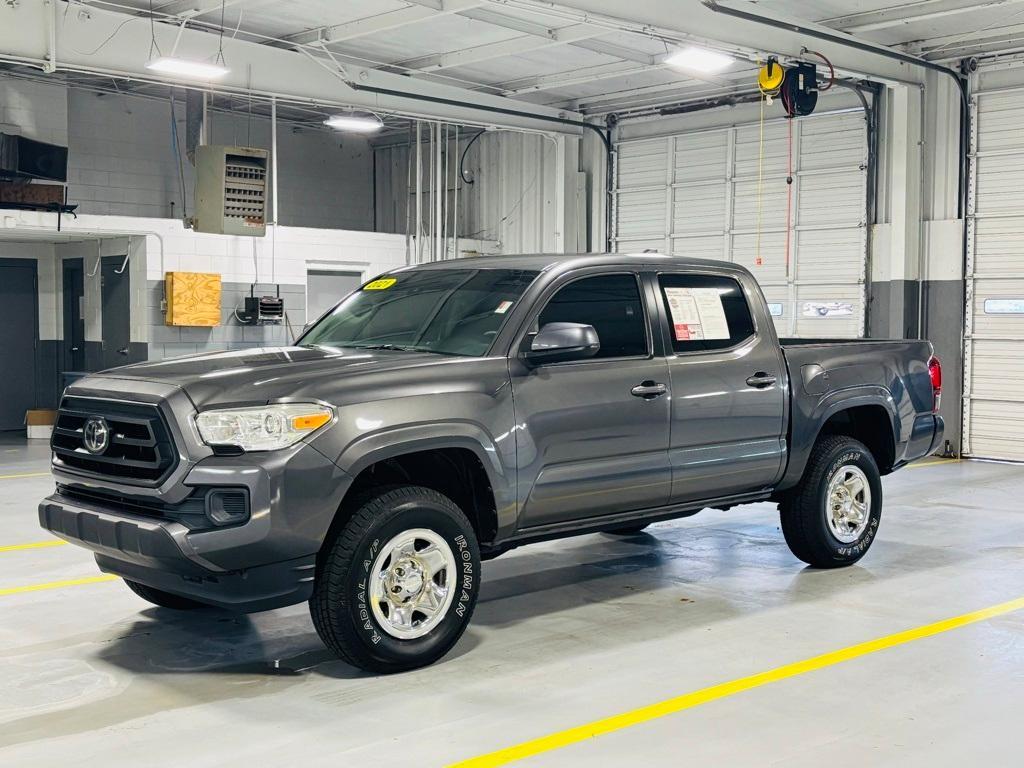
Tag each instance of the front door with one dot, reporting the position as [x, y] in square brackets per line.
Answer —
[589, 442]
[728, 422]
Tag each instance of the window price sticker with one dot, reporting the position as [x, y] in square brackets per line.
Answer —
[697, 314]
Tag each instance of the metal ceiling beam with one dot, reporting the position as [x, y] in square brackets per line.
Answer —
[118, 46]
[690, 20]
[421, 10]
[192, 8]
[912, 13]
[567, 79]
[659, 92]
[500, 49]
[962, 40]
[496, 19]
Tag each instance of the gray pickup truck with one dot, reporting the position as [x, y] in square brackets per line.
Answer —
[446, 413]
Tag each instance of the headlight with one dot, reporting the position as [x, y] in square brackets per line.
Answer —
[262, 428]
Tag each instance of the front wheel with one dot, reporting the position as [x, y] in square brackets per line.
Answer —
[830, 520]
[397, 586]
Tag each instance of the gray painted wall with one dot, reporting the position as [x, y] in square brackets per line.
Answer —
[893, 314]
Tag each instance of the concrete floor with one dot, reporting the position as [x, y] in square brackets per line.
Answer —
[565, 633]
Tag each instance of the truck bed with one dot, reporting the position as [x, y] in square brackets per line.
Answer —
[825, 373]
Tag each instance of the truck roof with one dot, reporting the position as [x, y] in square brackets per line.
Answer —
[544, 261]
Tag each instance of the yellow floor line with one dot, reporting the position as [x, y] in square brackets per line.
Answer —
[25, 474]
[33, 545]
[713, 693]
[57, 584]
[918, 465]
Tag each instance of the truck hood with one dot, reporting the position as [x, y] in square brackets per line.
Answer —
[271, 373]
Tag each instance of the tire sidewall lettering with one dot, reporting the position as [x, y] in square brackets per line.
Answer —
[859, 547]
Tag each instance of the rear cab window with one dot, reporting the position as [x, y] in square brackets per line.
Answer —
[705, 312]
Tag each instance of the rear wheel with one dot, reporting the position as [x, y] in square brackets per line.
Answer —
[397, 586]
[163, 599]
[830, 520]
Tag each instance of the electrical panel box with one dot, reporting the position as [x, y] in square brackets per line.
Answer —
[193, 298]
[262, 310]
[231, 191]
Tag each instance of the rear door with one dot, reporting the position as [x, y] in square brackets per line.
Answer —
[728, 385]
[589, 443]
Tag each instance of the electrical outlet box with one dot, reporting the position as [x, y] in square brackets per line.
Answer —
[231, 191]
[193, 299]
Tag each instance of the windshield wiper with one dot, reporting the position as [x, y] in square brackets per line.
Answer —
[397, 348]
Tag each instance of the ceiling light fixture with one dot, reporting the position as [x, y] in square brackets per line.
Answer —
[355, 123]
[199, 70]
[699, 60]
[187, 68]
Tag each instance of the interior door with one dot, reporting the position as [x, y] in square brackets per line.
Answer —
[19, 318]
[589, 443]
[74, 315]
[116, 322]
[728, 422]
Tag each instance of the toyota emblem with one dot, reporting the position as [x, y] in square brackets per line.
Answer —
[96, 434]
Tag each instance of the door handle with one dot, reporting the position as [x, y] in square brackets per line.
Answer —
[761, 380]
[123, 350]
[649, 390]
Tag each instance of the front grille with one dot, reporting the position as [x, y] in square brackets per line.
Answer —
[140, 448]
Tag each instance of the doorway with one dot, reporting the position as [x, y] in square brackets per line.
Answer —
[19, 318]
[325, 288]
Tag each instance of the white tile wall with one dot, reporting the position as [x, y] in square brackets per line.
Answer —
[283, 257]
[35, 110]
[122, 163]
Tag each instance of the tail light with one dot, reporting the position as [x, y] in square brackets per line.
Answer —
[935, 374]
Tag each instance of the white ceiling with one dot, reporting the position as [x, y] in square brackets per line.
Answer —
[548, 53]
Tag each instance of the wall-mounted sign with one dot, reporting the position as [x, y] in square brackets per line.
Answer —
[827, 309]
[1004, 306]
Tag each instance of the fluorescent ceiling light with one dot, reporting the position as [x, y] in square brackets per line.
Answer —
[199, 70]
[355, 123]
[699, 60]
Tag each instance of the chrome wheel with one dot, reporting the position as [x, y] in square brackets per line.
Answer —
[849, 503]
[412, 583]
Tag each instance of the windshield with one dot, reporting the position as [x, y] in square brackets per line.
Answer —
[448, 311]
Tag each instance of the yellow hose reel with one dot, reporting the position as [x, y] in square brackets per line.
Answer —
[770, 76]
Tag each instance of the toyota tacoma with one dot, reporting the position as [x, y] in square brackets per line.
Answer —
[445, 413]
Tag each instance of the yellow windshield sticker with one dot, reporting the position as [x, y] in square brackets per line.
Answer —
[380, 285]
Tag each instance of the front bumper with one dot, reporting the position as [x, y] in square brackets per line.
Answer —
[160, 555]
[265, 562]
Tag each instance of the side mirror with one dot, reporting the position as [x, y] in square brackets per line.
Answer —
[560, 342]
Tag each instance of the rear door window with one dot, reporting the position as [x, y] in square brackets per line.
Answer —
[705, 312]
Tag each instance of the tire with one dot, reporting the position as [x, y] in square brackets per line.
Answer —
[630, 530]
[808, 521]
[164, 599]
[358, 627]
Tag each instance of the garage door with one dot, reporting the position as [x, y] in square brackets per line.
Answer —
[994, 335]
[695, 194]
